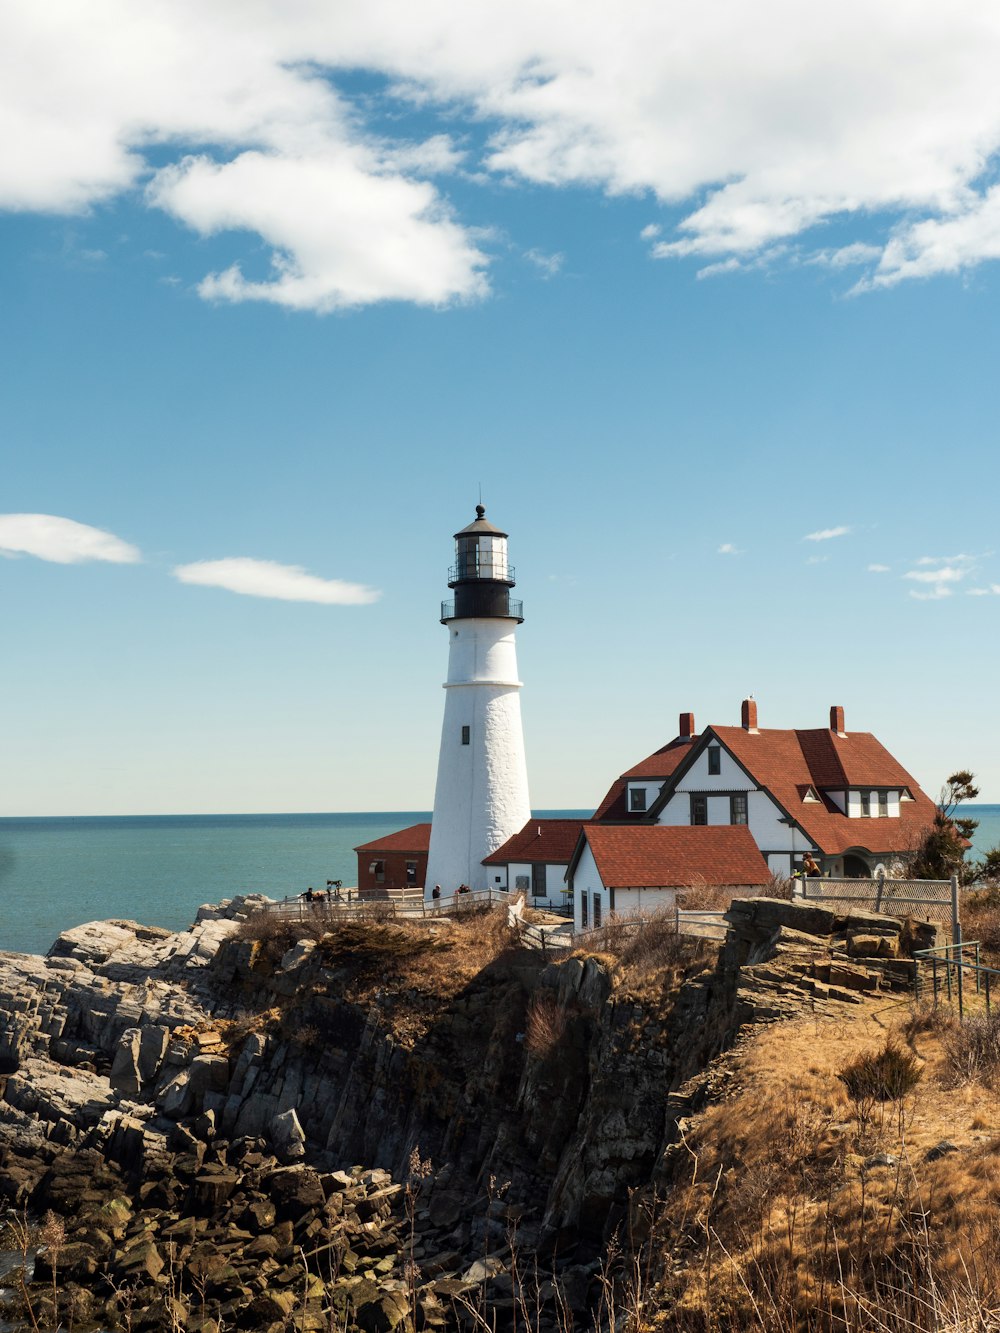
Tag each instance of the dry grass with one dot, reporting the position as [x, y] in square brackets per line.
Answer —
[646, 953]
[545, 1024]
[981, 921]
[785, 1215]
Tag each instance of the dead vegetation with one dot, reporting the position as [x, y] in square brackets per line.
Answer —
[849, 1183]
[646, 952]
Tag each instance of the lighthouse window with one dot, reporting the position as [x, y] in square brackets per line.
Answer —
[466, 735]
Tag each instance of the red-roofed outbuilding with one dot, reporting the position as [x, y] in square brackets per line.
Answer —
[534, 860]
[396, 861]
[639, 868]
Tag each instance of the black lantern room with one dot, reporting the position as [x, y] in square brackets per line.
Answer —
[481, 575]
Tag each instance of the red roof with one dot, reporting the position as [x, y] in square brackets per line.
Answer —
[655, 856]
[664, 761]
[787, 762]
[550, 840]
[416, 838]
[660, 765]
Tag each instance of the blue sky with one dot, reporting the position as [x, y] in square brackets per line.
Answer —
[290, 292]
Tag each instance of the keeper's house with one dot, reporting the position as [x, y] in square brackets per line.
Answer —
[628, 870]
[397, 861]
[838, 795]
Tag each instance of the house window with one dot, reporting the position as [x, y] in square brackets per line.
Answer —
[866, 804]
[597, 910]
[699, 809]
[583, 909]
[738, 808]
[714, 760]
[466, 735]
[637, 798]
[411, 872]
[537, 879]
[377, 868]
[883, 804]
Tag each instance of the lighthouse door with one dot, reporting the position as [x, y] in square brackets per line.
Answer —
[538, 880]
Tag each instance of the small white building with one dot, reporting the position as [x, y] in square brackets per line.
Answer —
[535, 860]
[640, 869]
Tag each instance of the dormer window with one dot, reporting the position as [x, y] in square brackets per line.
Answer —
[714, 760]
[866, 805]
[883, 805]
[637, 799]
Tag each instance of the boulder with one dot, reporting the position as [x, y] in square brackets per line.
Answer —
[287, 1138]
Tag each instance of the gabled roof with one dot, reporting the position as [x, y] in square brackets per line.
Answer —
[549, 840]
[416, 838]
[661, 764]
[663, 856]
[785, 762]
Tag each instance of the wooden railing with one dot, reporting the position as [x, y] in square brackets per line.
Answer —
[406, 903]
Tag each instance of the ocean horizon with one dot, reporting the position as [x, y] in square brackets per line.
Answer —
[59, 871]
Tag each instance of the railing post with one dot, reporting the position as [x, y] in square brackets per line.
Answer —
[956, 928]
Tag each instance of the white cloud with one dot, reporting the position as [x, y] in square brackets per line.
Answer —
[727, 548]
[936, 583]
[992, 591]
[62, 540]
[878, 569]
[548, 264]
[817, 560]
[826, 534]
[384, 237]
[763, 121]
[651, 231]
[267, 578]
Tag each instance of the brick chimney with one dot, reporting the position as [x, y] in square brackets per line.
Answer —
[685, 726]
[749, 716]
[837, 720]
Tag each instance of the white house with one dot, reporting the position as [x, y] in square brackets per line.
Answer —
[837, 795]
[630, 869]
[535, 860]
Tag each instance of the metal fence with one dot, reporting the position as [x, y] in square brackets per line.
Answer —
[955, 974]
[928, 899]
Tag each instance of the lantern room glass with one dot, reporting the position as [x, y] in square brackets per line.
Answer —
[481, 556]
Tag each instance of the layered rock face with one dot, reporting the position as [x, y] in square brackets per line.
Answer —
[219, 1095]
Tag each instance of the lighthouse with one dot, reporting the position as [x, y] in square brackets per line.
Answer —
[481, 797]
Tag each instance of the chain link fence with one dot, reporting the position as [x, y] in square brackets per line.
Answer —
[927, 899]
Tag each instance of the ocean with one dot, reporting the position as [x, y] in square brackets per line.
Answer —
[158, 869]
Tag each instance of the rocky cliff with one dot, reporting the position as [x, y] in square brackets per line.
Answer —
[218, 1088]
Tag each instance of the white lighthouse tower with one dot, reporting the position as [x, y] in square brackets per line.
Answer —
[481, 797]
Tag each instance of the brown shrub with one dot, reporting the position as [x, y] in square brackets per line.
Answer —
[885, 1075]
[545, 1024]
[981, 921]
[972, 1049]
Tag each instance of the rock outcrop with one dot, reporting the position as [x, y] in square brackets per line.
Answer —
[215, 1096]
